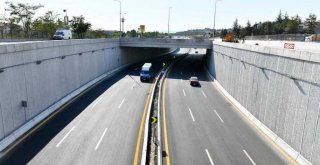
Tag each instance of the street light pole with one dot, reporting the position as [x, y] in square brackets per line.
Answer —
[120, 17]
[66, 19]
[169, 21]
[122, 21]
[214, 22]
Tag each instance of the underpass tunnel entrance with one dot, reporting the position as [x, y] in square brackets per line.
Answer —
[193, 65]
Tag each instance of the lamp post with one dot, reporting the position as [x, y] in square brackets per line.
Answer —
[215, 12]
[123, 20]
[120, 17]
[66, 19]
[169, 21]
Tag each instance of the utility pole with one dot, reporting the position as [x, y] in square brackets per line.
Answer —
[120, 17]
[169, 21]
[214, 22]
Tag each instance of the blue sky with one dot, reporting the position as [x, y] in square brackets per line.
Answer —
[186, 14]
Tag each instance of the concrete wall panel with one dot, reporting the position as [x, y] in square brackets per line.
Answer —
[42, 73]
[279, 87]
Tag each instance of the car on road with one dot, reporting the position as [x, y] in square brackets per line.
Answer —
[62, 34]
[146, 72]
[194, 81]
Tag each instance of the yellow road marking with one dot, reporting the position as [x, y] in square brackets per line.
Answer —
[165, 133]
[288, 157]
[136, 155]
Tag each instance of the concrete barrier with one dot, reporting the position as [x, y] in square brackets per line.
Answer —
[302, 46]
[279, 90]
[165, 43]
[36, 78]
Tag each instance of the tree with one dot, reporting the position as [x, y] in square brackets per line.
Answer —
[23, 13]
[236, 28]
[267, 28]
[223, 33]
[243, 32]
[79, 26]
[249, 29]
[47, 24]
[14, 29]
[278, 25]
[50, 23]
[255, 30]
[292, 26]
[132, 33]
[311, 23]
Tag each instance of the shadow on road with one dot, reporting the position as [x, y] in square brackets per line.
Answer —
[33, 144]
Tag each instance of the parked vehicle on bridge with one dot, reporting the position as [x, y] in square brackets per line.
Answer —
[194, 81]
[146, 72]
[62, 34]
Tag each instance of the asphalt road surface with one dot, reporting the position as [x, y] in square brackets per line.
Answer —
[203, 128]
[101, 127]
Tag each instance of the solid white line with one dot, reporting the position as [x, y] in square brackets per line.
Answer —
[249, 157]
[184, 93]
[94, 104]
[208, 154]
[204, 94]
[65, 136]
[191, 114]
[218, 116]
[104, 132]
[121, 103]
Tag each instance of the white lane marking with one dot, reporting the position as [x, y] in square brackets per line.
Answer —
[218, 116]
[65, 136]
[99, 99]
[184, 93]
[249, 157]
[121, 103]
[191, 114]
[205, 96]
[104, 132]
[208, 154]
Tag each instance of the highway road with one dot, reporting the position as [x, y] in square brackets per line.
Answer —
[203, 128]
[101, 127]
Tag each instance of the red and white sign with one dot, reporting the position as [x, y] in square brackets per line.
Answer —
[288, 46]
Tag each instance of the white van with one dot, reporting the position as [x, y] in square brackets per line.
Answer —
[62, 34]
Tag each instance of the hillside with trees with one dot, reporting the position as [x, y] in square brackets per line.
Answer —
[283, 24]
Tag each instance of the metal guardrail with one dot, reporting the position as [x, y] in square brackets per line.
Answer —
[158, 134]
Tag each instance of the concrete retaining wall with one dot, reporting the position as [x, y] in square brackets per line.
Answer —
[42, 73]
[302, 46]
[281, 88]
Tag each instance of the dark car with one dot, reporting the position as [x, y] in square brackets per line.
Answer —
[194, 81]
